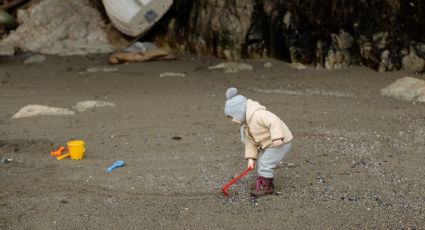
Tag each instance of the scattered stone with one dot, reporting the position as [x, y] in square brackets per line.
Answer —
[291, 165]
[338, 57]
[308, 92]
[268, 65]
[232, 67]
[406, 88]
[38, 58]
[386, 63]
[170, 74]
[36, 110]
[83, 106]
[297, 65]
[101, 69]
[413, 63]
[320, 179]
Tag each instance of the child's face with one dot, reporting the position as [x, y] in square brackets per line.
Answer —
[235, 121]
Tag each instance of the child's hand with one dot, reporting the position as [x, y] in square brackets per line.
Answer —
[278, 142]
[251, 163]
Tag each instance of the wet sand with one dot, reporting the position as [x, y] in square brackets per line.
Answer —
[356, 163]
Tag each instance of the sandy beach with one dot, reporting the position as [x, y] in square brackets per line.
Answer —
[356, 163]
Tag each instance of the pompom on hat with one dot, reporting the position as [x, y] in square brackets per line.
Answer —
[235, 105]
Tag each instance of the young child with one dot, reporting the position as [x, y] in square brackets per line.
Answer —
[267, 139]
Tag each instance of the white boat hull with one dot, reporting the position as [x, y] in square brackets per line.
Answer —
[135, 17]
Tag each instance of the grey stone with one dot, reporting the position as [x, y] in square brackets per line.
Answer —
[413, 63]
[406, 88]
[101, 69]
[37, 110]
[83, 106]
[38, 58]
[6, 50]
[232, 67]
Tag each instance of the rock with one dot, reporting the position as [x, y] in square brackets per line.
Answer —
[339, 55]
[60, 27]
[216, 28]
[371, 33]
[36, 110]
[101, 69]
[171, 74]
[6, 50]
[406, 88]
[38, 58]
[83, 106]
[385, 61]
[176, 138]
[232, 67]
[413, 63]
[268, 65]
[297, 65]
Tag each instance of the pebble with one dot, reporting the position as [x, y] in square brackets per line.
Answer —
[176, 138]
[253, 200]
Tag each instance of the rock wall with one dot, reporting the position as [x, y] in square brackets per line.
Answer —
[382, 34]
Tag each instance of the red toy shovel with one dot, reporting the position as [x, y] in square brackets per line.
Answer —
[224, 189]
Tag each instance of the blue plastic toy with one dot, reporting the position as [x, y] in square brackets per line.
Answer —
[115, 165]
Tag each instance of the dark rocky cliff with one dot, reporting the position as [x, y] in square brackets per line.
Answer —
[382, 34]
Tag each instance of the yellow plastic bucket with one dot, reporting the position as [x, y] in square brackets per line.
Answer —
[76, 149]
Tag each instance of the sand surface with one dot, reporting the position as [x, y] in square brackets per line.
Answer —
[357, 160]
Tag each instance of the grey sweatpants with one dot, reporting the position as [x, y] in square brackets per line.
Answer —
[269, 158]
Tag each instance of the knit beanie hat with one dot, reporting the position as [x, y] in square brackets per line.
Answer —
[235, 105]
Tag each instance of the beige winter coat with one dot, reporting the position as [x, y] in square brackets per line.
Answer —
[261, 128]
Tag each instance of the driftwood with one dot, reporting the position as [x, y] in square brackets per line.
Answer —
[128, 57]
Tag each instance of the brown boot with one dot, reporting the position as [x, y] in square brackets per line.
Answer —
[264, 187]
[253, 185]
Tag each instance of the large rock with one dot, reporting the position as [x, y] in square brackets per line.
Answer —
[71, 27]
[406, 88]
[224, 24]
[413, 63]
[334, 34]
[83, 106]
[37, 110]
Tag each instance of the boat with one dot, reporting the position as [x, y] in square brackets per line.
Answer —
[135, 17]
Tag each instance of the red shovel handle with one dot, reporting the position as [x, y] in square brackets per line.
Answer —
[224, 189]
